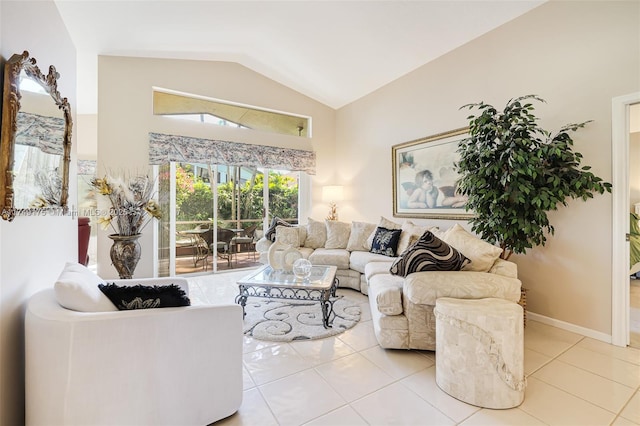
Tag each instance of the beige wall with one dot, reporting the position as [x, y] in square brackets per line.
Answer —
[634, 169]
[575, 55]
[33, 250]
[125, 118]
[87, 130]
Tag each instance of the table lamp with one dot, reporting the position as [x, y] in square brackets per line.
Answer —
[331, 194]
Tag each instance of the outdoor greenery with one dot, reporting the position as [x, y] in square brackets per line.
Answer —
[514, 173]
[194, 198]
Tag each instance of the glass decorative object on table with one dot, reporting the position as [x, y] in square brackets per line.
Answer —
[302, 269]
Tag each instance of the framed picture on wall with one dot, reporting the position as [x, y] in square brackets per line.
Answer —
[425, 177]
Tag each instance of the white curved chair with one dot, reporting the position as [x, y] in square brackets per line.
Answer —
[147, 366]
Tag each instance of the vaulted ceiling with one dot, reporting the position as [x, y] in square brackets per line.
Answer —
[332, 51]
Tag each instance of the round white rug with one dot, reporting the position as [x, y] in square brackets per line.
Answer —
[287, 320]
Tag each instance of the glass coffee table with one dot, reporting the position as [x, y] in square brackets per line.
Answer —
[321, 285]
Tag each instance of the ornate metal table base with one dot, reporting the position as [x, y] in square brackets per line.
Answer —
[284, 291]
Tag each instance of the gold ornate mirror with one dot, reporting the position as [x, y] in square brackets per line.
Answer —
[35, 144]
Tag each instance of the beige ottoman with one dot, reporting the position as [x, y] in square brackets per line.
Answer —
[480, 351]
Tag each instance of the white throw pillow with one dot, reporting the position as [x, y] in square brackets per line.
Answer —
[316, 234]
[482, 254]
[288, 235]
[410, 234]
[384, 223]
[337, 234]
[360, 232]
[77, 289]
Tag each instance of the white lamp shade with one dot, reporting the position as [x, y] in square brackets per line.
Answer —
[332, 193]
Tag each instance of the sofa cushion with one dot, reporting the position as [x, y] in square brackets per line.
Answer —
[270, 233]
[481, 253]
[360, 232]
[424, 288]
[305, 252]
[77, 289]
[335, 257]
[429, 253]
[385, 241]
[316, 234]
[337, 234]
[145, 297]
[359, 260]
[410, 234]
[375, 268]
[504, 268]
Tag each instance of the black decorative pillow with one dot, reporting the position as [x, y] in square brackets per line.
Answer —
[385, 241]
[143, 297]
[270, 233]
[429, 253]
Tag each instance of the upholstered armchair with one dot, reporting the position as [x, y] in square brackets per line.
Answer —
[179, 365]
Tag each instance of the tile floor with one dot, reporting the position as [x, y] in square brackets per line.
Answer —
[349, 380]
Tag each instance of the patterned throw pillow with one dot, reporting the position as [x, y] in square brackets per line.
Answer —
[385, 241]
[316, 234]
[360, 231]
[337, 234]
[270, 233]
[410, 234]
[288, 235]
[145, 297]
[429, 253]
[481, 253]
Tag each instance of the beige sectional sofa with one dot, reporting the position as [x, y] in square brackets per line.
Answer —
[401, 306]
[341, 244]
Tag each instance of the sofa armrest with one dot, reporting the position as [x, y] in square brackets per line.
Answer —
[387, 291]
[424, 288]
[389, 300]
[504, 268]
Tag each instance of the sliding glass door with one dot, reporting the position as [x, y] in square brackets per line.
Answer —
[214, 214]
[283, 195]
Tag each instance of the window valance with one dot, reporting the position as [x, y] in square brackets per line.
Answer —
[165, 148]
[40, 131]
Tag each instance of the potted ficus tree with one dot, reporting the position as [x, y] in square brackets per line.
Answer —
[514, 172]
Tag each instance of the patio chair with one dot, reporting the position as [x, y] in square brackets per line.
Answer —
[246, 243]
[225, 248]
[196, 243]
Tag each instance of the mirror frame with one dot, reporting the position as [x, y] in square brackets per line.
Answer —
[10, 107]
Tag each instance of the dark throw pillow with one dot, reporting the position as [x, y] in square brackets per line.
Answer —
[429, 253]
[385, 241]
[144, 297]
[270, 233]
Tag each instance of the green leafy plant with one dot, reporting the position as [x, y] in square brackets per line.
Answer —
[194, 200]
[514, 172]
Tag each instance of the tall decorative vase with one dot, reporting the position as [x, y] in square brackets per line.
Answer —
[125, 254]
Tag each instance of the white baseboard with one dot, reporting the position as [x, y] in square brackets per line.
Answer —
[587, 332]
